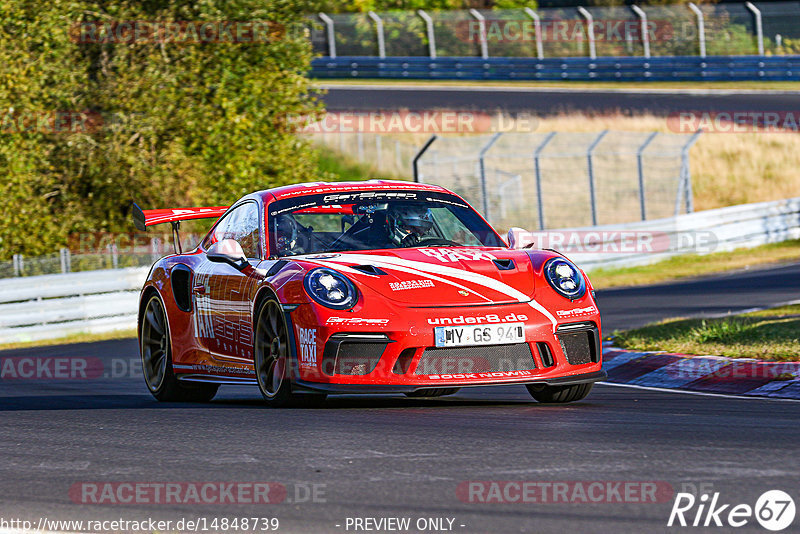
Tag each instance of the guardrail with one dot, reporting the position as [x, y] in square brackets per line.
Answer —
[51, 306]
[58, 305]
[675, 68]
[703, 232]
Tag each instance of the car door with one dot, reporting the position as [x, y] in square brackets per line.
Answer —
[223, 292]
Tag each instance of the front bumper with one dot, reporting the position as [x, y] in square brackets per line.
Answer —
[398, 354]
[316, 387]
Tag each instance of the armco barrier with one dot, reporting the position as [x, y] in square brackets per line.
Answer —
[678, 68]
[51, 306]
[57, 305]
[746, 225]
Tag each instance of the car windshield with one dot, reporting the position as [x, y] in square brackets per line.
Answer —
[370, 220]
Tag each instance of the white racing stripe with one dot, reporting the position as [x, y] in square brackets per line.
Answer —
[346, 268]
[428, 268]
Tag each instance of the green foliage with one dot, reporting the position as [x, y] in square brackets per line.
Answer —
[175, 124]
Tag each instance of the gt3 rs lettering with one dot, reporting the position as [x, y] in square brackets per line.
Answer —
[308, 347]
[452, 256]
[488, 318]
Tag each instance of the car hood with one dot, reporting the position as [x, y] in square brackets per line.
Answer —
[441, 276]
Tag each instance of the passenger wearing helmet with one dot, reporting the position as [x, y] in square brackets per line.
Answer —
[408, 223]
[287, 235]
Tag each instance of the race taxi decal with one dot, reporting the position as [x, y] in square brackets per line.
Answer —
[411, 284]
[308, 347]
[454, 255]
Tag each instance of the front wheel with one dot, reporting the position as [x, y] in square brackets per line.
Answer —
[156, 351]
[272, 359]
[559, 394]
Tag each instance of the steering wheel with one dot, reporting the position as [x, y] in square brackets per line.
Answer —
[430, 241]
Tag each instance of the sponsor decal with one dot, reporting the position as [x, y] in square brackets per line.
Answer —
[220, 369]
[481, 319]
[493, 374]
[410, 284]
[774, 510]
[356, 321]
[308, 347]
[576, 312]
[368, 195]
[452, 256]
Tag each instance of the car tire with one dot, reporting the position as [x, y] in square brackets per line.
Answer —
[272, 358]
[156, 351]
[432, 392]
[559, 394]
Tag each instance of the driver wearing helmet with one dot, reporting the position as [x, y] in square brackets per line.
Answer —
[408, 223]
[286, 235]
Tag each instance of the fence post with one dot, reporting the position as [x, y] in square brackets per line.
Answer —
[687, 173]
[537, 26]
[420, 152]
[482, 28]
[17, 261]
[331, 36]
[645, 32]
[589, 30]
[431, 34]
[759, 28]
[63, 257]
[536, 153]
[640, 168]
[701, 28]
[589, 153]
[378, 157]
[360, 145]
[379, 30]
[482, 164]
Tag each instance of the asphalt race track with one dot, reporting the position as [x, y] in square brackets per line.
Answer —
[388, 456]
[543, 101]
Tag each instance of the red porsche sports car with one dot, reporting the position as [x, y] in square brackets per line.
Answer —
[362, 287]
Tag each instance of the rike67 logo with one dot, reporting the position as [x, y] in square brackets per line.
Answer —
[774, 510]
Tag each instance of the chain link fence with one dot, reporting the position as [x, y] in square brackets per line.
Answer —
[671, 30]
[543, 180]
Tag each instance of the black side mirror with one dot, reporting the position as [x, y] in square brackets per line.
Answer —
[228, 251]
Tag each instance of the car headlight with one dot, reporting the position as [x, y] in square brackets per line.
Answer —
[331, 289]
[565, 278]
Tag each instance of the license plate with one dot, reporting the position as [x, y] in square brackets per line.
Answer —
[495, 334]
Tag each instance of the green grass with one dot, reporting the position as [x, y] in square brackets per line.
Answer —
[68, 340]
[690, 265]
[344, 167]
[772, 334]
[750, 86]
